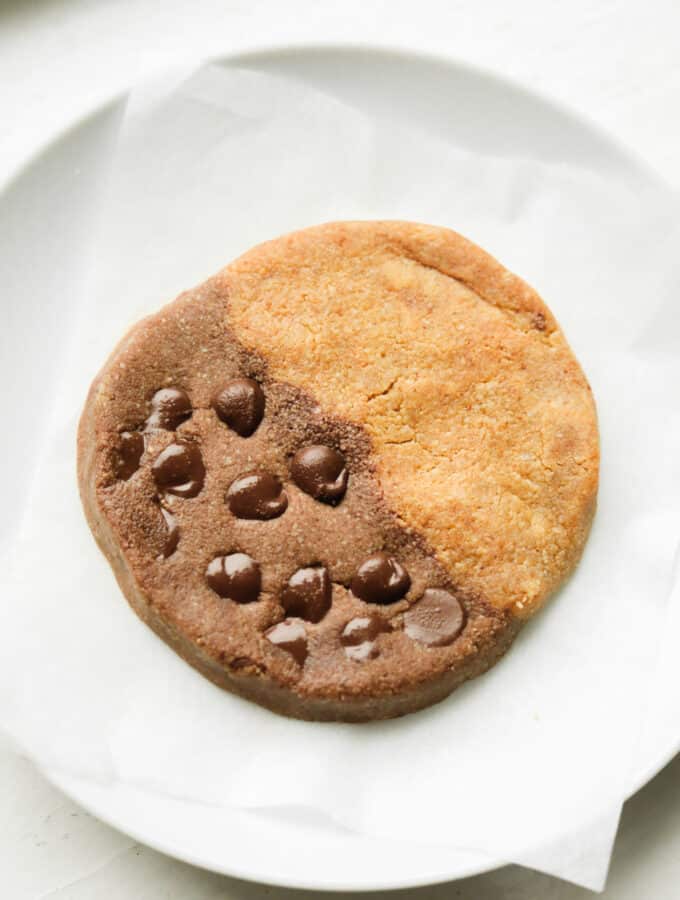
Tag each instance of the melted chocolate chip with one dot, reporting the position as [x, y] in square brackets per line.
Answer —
[240, 405]
[169, 408]
[320, 472]
[257, 495]
[290, 636]
[129, 453]
[436, 619]
[308, 594]
[172, 536]
[179, 469]
[380, 579]
[235, 577]
[358, 636]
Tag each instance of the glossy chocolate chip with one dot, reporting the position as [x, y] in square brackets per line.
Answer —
[320, 472]
[240, 405]
[169, 408]
[380, 579]
[172, 533]
[308, 594]
[290, 636]
[436, 619]
[257, 495]
[358, 636]
[179, 469]
[362, 629]
[235, 577]
[128, 454]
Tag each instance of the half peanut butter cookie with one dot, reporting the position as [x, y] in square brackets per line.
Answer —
[339, 475]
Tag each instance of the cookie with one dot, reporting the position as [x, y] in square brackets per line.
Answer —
[339, 475]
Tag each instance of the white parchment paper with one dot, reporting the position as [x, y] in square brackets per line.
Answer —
[529, 763]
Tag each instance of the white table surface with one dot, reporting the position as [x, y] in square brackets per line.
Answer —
[617, 62]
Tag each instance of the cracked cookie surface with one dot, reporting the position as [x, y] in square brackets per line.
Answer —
[338, 475]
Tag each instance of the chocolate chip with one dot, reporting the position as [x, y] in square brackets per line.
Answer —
[129, 453]
[436, 619]
[320, 472]
[172, 536]
[358, 636]
[308, 594]
[169, 408]
[362, 629]
[179, 469]
[380, 579]
[245, 662]
[240, 405]
[257, 495]
[538, 320]
[290, 636]
[236, 577]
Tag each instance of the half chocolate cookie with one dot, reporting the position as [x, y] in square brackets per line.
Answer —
[339, 475]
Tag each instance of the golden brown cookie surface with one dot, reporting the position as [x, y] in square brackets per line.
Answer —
[337, 475]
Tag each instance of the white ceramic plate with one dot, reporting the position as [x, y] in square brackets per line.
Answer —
[43, 213]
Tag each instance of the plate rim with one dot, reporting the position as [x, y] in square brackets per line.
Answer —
[77, 788]
[110, 99]
[70, 785]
